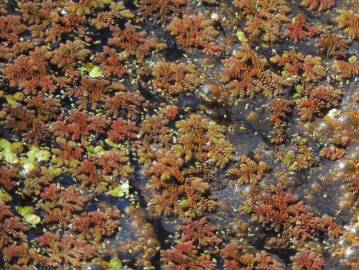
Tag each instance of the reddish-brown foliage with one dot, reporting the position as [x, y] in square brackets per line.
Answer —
[62, 25]
[18, 119]
[112, 63]
[320, 100]
[300, 30]
[45, 108]
[171, 112]
[238, 257]
[12, 230]
[249, 171]
[185, 199]
[91, 92]
[346, 69]
[68, 152]
[185, 256]
[88, 174]
[333, 45]
[68, 54]
[127, 104]
[66, 249]
[167, 167]
[8, 177]
[122, 130]
[245, 75]
[280, 110]
[321, 5]
[307, 259]
[283, 211]
[199, 232]
[332, 153]
[97, 224]
[17, 255]
[292, 62]
[131, 41]
[113, 163]
[309, 67]
[79, 124]
[264, 19]
[313, 69]
[45, 21]
[30, 73]
[203, 140]
[160, 9]
[175, 78]
[11, 28]
[349, 21]
[61, 205]
[38, 133]
[195, 31]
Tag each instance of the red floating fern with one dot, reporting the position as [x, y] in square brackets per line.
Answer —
[122, 130]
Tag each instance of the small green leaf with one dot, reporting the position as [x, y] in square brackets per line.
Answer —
[18, 96]
[10, 157]
[4, 143]
[105, 2]
[184, 204]
[95, 72]
[43, 155]
[241, 36]
[114, 264]
[32, 219]
[98, 150]
[26, 212]
[10, 100]
[353, 59]
[121, 190]
[4, 196]
[91, 149]
[56, 172]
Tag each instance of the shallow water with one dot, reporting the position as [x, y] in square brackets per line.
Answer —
[184, 143]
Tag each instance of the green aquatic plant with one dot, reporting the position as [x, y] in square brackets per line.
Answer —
[5, 196]
[9, 151]
[15, 98]
[33, 157]
[241, 36]
[121, 190]
[91, 69]
[95, 72]
[27, 213]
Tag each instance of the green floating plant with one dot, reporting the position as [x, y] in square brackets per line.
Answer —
[4, 196]
[33, 157]
[105, 2]
[56, 172]
[114, 264]
[120, 146]
[95, 72]
[241, 36]
[13, 99]
[120, 190]
[27, 213]
[353, 59]
[92, 70]
[9, 151]
[98, 150]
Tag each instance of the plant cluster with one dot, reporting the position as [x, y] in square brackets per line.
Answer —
[134, 134]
